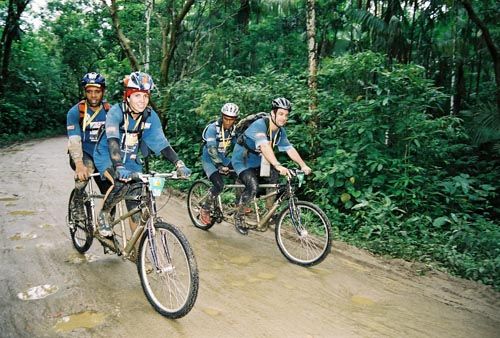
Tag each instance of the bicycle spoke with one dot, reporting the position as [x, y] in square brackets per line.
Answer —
[303, 234]
[168, 271]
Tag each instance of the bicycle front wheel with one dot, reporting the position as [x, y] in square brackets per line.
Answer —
[197, 196]
[168, 271]
[80, 231]
[303, 234]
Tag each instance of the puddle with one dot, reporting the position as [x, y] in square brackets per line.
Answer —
[44, 245]
[237, 283]
[354, 265]
[21, 212]
[76, 258]
[217, 266]
[23, 235]
[8, 199]
[266, 276]
[241, 260]
[38, 292]
[46, 226]
[361, 300]
[86, 320]
[211, 311]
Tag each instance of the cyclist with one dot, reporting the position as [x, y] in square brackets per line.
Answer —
[218, 136]
[253, 155]
[133, 129]
[84, 120]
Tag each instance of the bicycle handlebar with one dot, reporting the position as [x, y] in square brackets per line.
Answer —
[171, 175]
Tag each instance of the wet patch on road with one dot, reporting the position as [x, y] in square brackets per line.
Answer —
[8, 199]
[76, 258]
[82, 320]
[38, 292]
[23, 235]
[241, 260]
[21, 212]
[211, 311]
[362, 300]
[44, 245]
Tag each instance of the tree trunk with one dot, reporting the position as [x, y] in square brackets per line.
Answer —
[148, 14]
[313, 57]
[10, 33]
[170, 49]
[122, 39]
[489, 43]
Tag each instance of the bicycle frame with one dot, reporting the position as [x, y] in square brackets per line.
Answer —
[261, 221]
[147, 206]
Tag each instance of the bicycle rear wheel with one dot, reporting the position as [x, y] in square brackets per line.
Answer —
[80, 231]
[303, 234]
[197, 195]
[168, 271]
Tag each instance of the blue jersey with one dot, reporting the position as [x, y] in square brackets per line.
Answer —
[89, 129]
[256, 135]
[133, 135]
[216, 136]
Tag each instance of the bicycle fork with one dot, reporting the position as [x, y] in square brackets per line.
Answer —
[151, 233]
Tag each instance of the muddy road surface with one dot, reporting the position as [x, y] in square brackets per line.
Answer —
[247, 288]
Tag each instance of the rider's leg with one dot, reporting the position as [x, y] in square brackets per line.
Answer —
[135, 192]
[249, 178]
[217, 186]
[78, 197]
[272, 179]
[114, 195]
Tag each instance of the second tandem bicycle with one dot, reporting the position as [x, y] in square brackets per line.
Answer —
[302, 230]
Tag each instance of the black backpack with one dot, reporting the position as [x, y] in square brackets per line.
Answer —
[243, 125]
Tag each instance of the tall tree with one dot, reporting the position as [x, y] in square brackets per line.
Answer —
[312, 57]
[170, 32]
[124, 41]
[489, 43]
[10, 33]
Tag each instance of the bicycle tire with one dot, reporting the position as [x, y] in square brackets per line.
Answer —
[313, 243]
[196, 196]
[173, 288]
[81, 234]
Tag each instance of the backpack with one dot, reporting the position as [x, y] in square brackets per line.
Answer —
[81, 109]
[243, 125]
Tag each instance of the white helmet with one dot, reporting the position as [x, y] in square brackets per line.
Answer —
[230, 109]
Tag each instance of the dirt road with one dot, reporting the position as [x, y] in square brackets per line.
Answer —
[247, 288]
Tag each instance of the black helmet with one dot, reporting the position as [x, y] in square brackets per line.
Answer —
[93, 79]
[282, 103]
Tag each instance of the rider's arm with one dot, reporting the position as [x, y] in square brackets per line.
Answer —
[211, 143]
[214, 155]
[295, 156]
[170, 154]
[75, 148]
[114, 151]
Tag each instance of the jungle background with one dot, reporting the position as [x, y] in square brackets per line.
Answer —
[395, 102]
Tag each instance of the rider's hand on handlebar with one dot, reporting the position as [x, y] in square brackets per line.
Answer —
[305, 168]
[182, 170]
[123, 173]
[284, 171]
[224, 170]
[81, 171]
